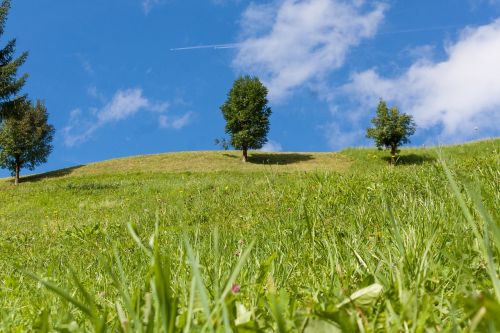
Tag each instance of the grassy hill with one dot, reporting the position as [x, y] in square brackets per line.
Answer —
[211, 161]
[318, 227]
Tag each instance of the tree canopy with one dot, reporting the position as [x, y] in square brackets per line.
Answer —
[10, 85]
[25, 139]
[391, 128]
[247, 114]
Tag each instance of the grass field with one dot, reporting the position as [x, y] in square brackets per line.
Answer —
[299, 242]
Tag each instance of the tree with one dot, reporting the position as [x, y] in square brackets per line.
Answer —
[10, 85]
[25, 139]
[391, 129]
[247, 114]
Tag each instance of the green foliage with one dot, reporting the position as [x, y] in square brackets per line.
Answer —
[260, 251]
[10, 85]
[247, 114]
[391, 128]
[25, 139]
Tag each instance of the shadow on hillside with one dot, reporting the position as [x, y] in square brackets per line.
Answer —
[51, 174]
[280, 159]
[411, 159]
[271, 158]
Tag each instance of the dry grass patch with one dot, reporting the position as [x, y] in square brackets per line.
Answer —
[209, 161]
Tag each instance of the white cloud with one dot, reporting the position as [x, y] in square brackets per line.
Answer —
[475, 4]
[459, 93]
[339, 138]
[92, 91]
[160, 107]
[290, 43]
[76, 122]
[258, 18]
[147, 5]
[85, 63]
[272, 147]
[175, 122]
[124, 104]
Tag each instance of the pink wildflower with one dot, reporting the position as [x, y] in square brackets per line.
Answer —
[235, 288]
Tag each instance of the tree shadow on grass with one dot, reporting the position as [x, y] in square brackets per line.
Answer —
[278, 159]
[49, 175]
[411, 159]
[274, 158]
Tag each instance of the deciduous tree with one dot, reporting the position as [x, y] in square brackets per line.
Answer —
[247, 114]
[25, 139]
[391, 129]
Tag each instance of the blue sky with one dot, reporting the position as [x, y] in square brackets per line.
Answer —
[114, 86]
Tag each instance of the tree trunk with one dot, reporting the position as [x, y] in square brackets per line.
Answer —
[17, 171]
[245, 155]
[393, 154]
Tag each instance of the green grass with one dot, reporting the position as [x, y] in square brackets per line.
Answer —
[213, 161]
[303, 235]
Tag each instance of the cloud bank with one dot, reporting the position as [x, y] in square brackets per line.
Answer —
[290, 43]
[459, 93]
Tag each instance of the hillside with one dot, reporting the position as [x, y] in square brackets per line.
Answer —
[230, 161]
[212, 161]
[313, 238]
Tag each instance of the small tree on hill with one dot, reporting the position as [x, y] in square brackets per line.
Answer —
[247, 114]
[25, 139]
[391, 129]
[10, 85]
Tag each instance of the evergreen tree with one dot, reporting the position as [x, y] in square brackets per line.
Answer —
[247, 114]
[25, 139]
[391, 129]
[10, 85]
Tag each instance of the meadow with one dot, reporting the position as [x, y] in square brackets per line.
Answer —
[298, 242]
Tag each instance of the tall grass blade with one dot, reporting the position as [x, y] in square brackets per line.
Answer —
[483, 239]
[61, 293]
[199, 282]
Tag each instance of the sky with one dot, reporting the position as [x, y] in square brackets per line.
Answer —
[133, 77]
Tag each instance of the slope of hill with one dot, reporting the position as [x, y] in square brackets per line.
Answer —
[230, 161]
[314, 238]
[214, 161]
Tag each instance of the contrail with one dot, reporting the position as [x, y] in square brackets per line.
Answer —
[237, 45]
[212, 46]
